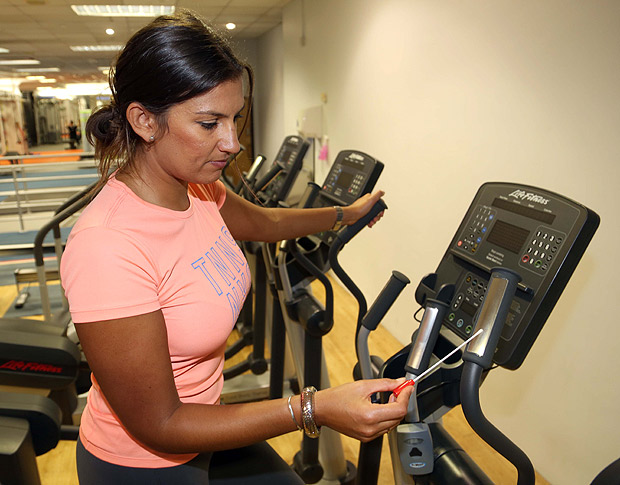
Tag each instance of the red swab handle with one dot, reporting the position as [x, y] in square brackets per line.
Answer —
[398, 390]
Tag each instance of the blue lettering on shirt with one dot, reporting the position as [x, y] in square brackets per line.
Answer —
[200, 264]
[226, 266]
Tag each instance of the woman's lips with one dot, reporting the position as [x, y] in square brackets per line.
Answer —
[218, 163]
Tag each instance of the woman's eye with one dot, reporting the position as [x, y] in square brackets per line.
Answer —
[209, 126]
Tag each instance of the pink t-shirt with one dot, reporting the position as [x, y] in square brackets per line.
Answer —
[126, 257]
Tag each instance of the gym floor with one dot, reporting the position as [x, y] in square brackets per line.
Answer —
[58, 466]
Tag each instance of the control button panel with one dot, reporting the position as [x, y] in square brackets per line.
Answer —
[476, 229]
[541, 250]
[465, 304]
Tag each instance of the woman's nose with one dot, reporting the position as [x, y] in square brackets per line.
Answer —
[229, 142]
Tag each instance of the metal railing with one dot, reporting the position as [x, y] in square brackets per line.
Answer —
[20, 192]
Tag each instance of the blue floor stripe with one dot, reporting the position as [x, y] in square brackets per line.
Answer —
[27, 237]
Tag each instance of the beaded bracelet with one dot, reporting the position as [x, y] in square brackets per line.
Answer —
[307, 412]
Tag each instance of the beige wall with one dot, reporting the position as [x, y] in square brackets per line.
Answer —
[450, 94]
[269, 107]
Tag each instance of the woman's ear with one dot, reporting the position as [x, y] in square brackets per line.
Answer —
[142, 121]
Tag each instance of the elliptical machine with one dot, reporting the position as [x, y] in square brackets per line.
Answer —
[268, 190]
[30, 423]
[307, 320]
[502, 273]
[39, 355]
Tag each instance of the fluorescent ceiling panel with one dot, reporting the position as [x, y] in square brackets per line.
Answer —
[123, 10]
[20, 62]
[39, 69]
[95, 48]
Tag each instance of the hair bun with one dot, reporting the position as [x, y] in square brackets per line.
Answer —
[103, 124]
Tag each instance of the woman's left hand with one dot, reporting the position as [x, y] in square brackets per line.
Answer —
[360, 208]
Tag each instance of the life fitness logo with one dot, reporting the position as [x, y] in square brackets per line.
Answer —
[21, 366]
[529, 196]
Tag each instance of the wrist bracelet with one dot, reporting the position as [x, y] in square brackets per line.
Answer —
[290, 408]
[339, 215]
[307, 412]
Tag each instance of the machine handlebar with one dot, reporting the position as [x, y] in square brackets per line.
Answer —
[491, 316]
[384, 301]
[347, 233]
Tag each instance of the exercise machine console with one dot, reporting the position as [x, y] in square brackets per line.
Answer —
[534, 232]
[277, 183]
[503, 272]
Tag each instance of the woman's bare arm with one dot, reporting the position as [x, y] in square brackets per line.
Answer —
[250, 222]
[130, 360]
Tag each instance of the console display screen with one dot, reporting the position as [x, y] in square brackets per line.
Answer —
[285, 157]
[508, 236]
[469, 308]
[344, 180]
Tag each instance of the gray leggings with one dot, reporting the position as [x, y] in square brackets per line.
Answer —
[257, 464]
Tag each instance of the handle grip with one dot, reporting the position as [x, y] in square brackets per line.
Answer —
[265, 179]
[347, 233]
[395, 285]
[492, 316]
[426, 337]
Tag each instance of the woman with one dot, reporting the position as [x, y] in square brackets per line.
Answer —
[151, 271]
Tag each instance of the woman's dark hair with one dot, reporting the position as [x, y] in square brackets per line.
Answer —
[171, 60]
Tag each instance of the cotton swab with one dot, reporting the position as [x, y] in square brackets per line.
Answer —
[411, 382]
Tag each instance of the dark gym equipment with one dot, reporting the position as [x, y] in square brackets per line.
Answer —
[270, 190]
[307, 320]
[503, 271]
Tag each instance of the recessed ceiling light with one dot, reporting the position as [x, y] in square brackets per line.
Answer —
[3, 50]
[109, 31]
[231, 26]
[48, 80]
[123, 10]
[19, 62]
[35, 78]
[95, 48]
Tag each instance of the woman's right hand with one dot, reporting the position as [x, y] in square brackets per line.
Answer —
[349, 410]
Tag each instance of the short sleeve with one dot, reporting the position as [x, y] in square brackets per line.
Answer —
[215, 192]
[107, 275]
